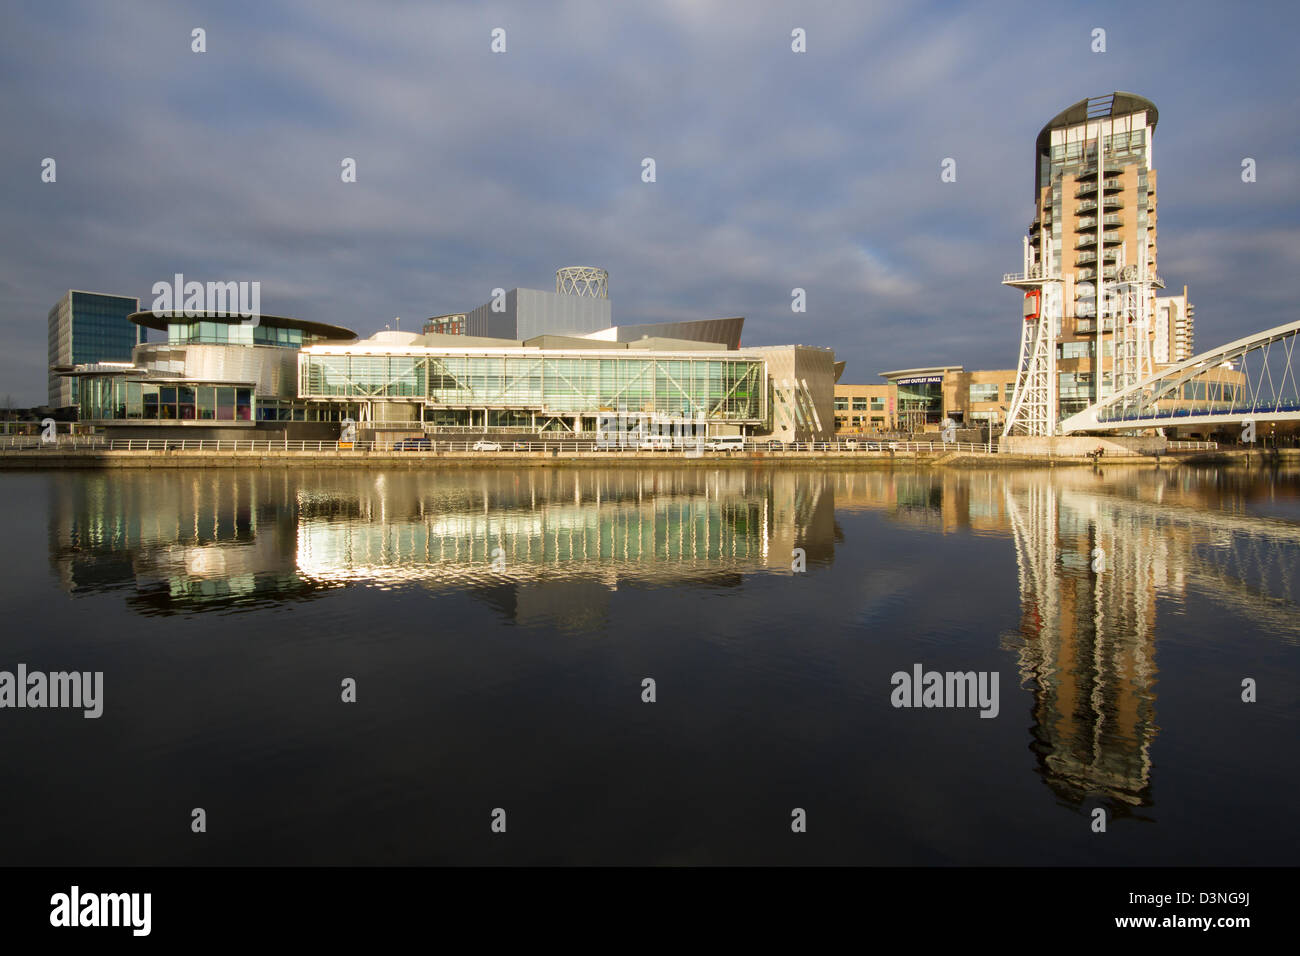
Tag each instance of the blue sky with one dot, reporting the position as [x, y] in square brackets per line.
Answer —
[775, 170]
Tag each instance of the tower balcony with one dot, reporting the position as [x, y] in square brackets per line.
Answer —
[1035, 277]
[1088, 187]
[1108, 238]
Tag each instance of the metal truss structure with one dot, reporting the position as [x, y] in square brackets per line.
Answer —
[1033, 408]
[582, 280]
[1250, 379]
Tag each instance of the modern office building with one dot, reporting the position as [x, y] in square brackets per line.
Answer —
[88, 327]
[221, 375]
[1090, 273]
[865, 409]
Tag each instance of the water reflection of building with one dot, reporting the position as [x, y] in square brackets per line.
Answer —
[189, 540]
[1087, 581]
[541, 525]
[566, 540]
[179, 541]
[1093, 564]
[1087, 638]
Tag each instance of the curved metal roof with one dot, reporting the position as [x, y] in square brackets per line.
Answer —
[1092, 108]
[159, 321]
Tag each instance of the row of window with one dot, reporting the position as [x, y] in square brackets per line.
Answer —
[1119, 144]
[859, 403]
[718, 388]
[111, 397]
[236, 333]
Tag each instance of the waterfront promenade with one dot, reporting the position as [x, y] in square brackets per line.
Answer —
[243, 454]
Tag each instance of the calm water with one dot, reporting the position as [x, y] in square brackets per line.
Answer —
[499, 625]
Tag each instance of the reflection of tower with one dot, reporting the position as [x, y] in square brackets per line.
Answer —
[1087, 582]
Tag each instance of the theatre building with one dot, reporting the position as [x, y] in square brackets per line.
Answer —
[213, 378]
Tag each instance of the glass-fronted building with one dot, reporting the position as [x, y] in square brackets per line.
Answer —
[540, 389]
[212, 371]
[302, 379]
[84, 328]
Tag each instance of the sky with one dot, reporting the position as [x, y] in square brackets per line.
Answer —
[774, 170]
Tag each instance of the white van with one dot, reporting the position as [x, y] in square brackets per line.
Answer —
[656, 443]
[726, 443]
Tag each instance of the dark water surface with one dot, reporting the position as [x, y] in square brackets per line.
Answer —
[499, 625]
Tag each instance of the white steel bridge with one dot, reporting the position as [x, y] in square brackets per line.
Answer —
[1250, 379]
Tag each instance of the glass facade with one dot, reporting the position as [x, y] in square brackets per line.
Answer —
[101, 331]
[980, 392]
[227, 333]
[1074, 392]
[920, 402]
[86, 327]
[728, 389]
[115, 397]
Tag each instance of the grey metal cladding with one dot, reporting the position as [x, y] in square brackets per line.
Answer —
[720, 331]
[542, 313]
[532, 312]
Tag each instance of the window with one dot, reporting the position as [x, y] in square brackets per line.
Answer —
[877, 404]
[841, 403]
[859, 404]
[980, 392]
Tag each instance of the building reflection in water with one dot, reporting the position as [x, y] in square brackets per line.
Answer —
[1094, 555]
[191, 541]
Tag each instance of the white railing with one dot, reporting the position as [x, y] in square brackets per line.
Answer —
[63, 441]
[432, 445]
[428, 446]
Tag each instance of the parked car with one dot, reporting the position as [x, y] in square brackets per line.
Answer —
[413, 444]
[656, 443]
[775, 445]
[487, 446]
[851, 444]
